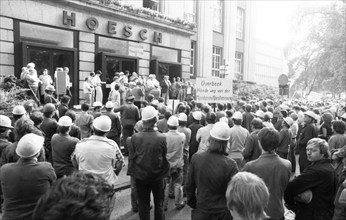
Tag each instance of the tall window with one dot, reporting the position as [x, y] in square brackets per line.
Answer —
[190, 10]
[240, 23]
[217, 51]
[238, 65]
[218, 16]
[152, 4]
[192, 59]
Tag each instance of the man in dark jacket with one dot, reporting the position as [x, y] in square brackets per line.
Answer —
[311, 194]
[115, 132]
[252, 150]
[129, 117]
[247, 118]
[197, 116]
[148, 165]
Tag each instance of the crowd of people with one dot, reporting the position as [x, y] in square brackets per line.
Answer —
[251, 159]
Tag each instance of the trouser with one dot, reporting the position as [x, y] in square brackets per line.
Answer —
[134, 197]
[197, 214]
[185, 168]
[165, 96]
[87, 98]
[127, 131]
[175, 178]
[144, 188]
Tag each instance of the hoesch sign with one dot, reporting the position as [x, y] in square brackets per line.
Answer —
[92, 24]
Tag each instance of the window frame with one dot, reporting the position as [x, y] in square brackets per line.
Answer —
[216, 61]
[219, 26]
[239, 65]
[240, 25]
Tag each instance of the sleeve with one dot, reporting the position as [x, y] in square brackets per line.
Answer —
[248, 150]
[308, 133]
[331, 144]
[118, 125]
[51, 174]
[191, 185]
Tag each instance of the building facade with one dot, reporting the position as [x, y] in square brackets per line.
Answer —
[90, 35]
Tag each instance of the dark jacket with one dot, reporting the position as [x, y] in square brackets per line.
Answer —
[193, 141]
[147, 157]
[22, 184]
[209, 173]
[129, 114]
[247, 118]
[252, 150]
[320, 178]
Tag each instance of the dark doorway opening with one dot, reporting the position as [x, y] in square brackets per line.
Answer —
[160, 69]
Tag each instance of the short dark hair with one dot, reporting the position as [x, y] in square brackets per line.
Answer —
[116, 87]
[65, 99]
[220, 106]
[257, 123]
[167, 114]
[217, 146]
[339, 127]
[24, 126]
[248, 108]
[63, 129]
[98, 132]
[71, 114]
[37, 117]
[172, 127]
[85, 107]
[182, 123]
[82, 195]
[269, 138]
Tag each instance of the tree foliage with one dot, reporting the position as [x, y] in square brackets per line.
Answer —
[317, 59]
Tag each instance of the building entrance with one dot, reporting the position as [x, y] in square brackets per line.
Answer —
[49, 58]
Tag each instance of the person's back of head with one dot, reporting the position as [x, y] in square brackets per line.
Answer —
[248, 108]
[220, 106]
[81, 196]
[211, 118]
[257, 123]
[65, 99]
[37, 117]
[247, 196]
[85, 107]
[268, 139]
[71, 114]
[205, 109]
[167, 115]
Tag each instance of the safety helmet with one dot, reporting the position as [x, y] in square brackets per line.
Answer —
[197, 115]
[148, 113]
[18, 110]
[65, 121]
[311, 114]
[237, 116]
[29, 145]
[220, 131]
[269, 114]
[102, 123]
[173, 121]
[97, 104]
[289, 121]
[5, 121]
[50, 88]
[109, 104]
[182, 117]
[259, 113]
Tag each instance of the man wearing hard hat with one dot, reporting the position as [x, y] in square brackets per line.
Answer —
[149, 165]
[5, 129]
[209, 174]
[25, 181]
[98, 154]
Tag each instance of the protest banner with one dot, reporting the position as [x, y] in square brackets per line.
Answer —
[214, 90]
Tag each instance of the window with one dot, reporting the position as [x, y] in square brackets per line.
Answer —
[218, 16]
[192, 59]
[238, 65]
[152, 4]
[189, 10]
[165, 54]
[240, 24]
[217, 51]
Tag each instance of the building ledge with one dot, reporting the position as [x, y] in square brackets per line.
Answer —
[135, 15]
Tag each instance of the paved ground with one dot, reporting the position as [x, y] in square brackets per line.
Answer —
[122, 209]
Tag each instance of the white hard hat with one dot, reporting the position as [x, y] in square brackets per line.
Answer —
[197, 115]
[333, 109]
[270, 115]
[18, 110]
[311, 114]
[155, 102]
[173, 121]
[182, 117]
[259, 113]
[224, 119]
[97, 104]
[50, 88]
[109, 104]
[29, 145]
[289, 121]
[220, 131]
[237, 116]
[5, 121]
[102, 123]
[148, 113]
[65, 121]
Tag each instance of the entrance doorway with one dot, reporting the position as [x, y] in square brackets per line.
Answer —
[109, 64]
[160, 69]
[51, 58]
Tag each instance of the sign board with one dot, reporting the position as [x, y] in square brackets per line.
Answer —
[283, 80]
[214, 90]
[60, 82]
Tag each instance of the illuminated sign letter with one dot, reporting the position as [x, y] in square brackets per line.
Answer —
[111, 27]
[92, 23]
[142, 34]
[66, 19]
[157, 37]
[127, 31]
